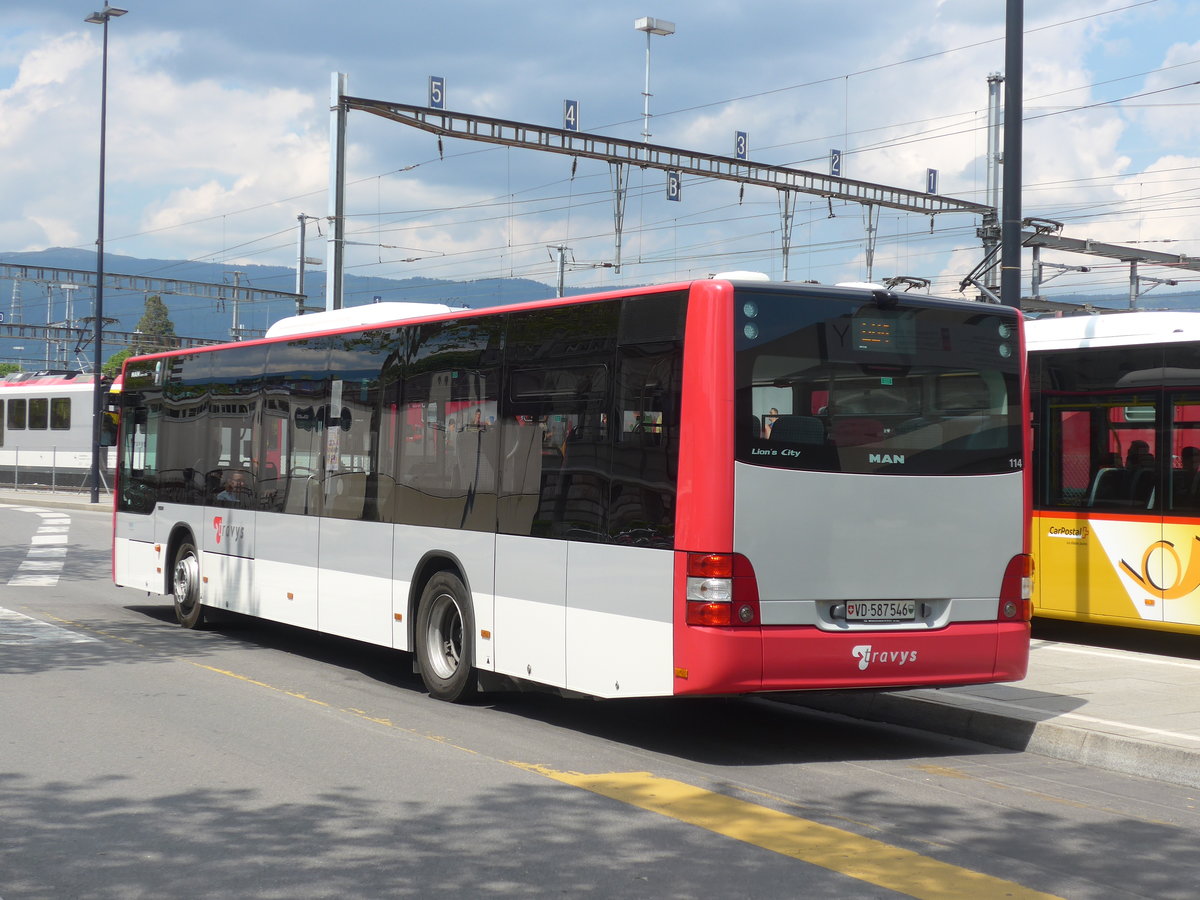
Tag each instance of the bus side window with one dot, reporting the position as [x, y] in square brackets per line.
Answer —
[641, 508]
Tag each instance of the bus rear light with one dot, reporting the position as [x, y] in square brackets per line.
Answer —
[710, 565]
[710, 590]
[721, 590]
[1016, 590]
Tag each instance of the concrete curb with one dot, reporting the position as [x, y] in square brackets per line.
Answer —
[957, 717]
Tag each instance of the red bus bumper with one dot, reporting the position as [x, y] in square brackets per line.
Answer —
[791, 658]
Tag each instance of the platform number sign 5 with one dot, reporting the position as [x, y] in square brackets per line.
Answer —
[437, 92]
[674, 186]
[570, 115]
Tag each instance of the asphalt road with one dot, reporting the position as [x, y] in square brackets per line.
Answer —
[138, 759]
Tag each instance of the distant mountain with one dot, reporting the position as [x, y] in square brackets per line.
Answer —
[196, 317]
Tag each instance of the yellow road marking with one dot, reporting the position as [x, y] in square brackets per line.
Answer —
[263, 684]
[831, 848]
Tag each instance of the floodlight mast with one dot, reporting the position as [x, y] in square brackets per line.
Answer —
[100, 18]
[650, 26]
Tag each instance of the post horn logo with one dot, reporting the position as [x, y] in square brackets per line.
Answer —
[1186, 580]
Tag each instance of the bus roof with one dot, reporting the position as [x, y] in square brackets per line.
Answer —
[374, 315]
[1115, 330]
[356, 316]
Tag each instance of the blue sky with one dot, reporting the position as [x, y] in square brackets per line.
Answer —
[218, 130]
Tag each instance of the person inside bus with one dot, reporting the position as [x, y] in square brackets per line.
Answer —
[1139, 456]
[1140, 463]
[769, 422]
[1184, 479]
[1189, 458]
[235, 491]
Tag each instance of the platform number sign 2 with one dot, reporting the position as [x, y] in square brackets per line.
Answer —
[674, 186]
[437, 92]
[570, 115]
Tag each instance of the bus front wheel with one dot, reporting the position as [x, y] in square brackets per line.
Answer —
[445, 627]
[185, 586]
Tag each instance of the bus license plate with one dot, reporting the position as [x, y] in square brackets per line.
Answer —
[881, 610]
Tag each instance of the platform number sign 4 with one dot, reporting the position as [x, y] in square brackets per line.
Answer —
[570, 115]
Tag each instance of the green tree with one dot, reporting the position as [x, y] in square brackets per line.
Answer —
[156, 332]
[157, 329]
[9, 368]
[112, 368]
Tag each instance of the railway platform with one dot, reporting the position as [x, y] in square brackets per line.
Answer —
[1121, 699]
[1126, 700]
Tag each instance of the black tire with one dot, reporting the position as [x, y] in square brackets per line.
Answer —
[444, 638]
[185, 586]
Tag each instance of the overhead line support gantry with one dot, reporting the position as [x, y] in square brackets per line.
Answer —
[620, 154]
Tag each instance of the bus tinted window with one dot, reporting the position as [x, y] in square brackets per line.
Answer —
[839, 385]
[591, 420]
[232, 463]
[447, 460]
[184, 454]
[295, 385]
[557, 445]
[1118, 428]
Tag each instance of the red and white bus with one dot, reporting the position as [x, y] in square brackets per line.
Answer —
[716, 487]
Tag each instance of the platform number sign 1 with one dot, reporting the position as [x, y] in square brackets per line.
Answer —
[931, 179]
[835, 163]
[437, 92]
[674, 186]
[741, 145]
[570, 115]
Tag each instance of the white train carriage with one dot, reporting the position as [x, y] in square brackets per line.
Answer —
[46, 429]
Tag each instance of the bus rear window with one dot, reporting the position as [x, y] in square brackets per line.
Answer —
[839, 383]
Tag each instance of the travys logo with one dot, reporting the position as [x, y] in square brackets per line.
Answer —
[229, 532]
[866, 654]
[1187, 578]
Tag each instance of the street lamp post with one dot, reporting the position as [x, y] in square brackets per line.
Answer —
[650, 26]
[100, 18]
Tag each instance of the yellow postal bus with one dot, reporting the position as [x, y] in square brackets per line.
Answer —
[1116, 507]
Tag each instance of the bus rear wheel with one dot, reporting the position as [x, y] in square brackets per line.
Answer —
[185, 586]
[445, 627]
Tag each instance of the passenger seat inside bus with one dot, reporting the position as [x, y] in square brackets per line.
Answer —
[1110, 487]
[798, 430]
